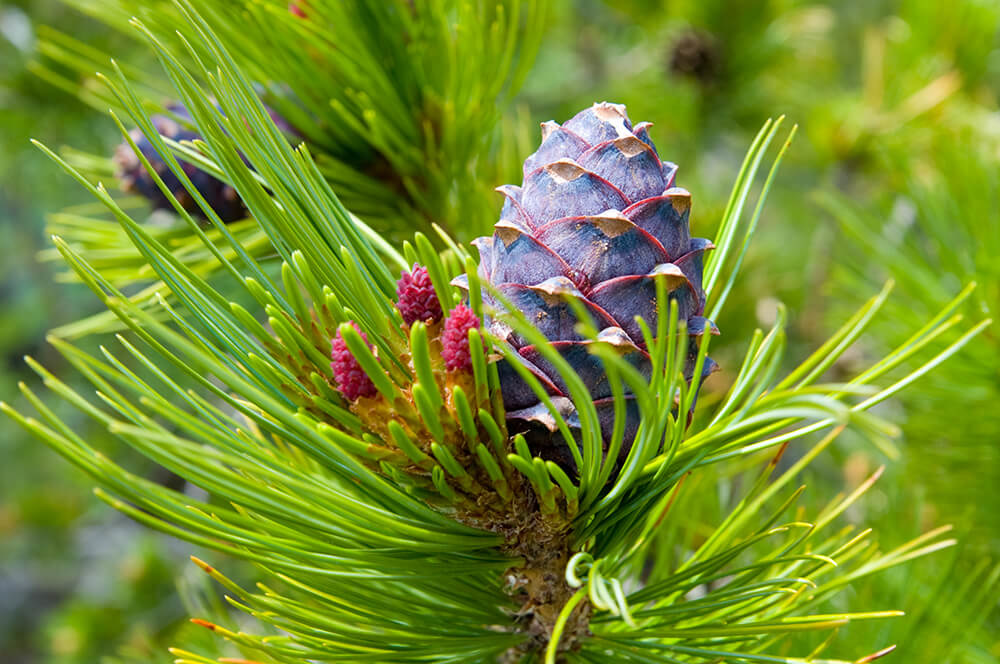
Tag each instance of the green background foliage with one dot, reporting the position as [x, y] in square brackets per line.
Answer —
[893, 176]
[77, 581]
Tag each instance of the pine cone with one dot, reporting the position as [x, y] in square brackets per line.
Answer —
[597, 219]
[134, 177]
[695, 54]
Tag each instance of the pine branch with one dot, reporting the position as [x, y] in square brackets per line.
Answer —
[400, 520]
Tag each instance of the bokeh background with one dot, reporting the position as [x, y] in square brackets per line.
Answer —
[895, 174]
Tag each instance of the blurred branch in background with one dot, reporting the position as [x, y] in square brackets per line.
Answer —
[401, 119]
[402, 122]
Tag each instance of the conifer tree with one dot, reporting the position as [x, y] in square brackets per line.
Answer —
[429, 451]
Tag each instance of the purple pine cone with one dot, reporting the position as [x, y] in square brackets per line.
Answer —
[597, 218]
[134, 177]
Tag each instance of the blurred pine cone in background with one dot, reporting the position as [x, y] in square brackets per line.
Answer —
[695, 54]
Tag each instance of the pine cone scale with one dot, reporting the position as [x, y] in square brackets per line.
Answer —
[566, 189]
[665, 218]
[595, 245]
